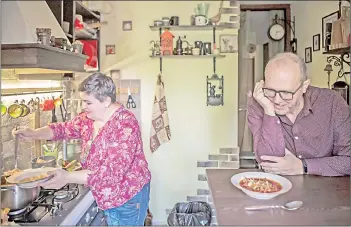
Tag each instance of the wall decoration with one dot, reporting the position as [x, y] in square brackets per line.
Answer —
[127, 25]
[110, 49]
[316, 42]
[215, 90]
[127, 89]
[308, 54]
[167, 43]
[328, 19]
[228, 43]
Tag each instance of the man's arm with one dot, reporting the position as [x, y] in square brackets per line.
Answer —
[339, 164]
[266, 130]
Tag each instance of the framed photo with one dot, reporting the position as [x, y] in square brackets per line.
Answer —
[308, 54]
[328, 19]
[110, 49]
[228, 43]
[316, 42]
[127, 25]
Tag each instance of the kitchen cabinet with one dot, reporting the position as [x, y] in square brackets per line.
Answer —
[89, 33]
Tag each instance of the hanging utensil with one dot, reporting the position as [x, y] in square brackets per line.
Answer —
[130, 102]
[16, 146]
[53, 116]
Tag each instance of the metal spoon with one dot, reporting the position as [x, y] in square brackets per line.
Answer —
[294, 205]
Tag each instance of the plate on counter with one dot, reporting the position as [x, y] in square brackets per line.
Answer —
[261, 185]
[30, 178]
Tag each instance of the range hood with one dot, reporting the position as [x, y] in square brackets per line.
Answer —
[19, 48]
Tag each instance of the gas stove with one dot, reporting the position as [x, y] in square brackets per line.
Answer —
[65, 206]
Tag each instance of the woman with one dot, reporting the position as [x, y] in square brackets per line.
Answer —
[114, 165]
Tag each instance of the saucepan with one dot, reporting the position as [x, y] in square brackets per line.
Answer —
[16, 198]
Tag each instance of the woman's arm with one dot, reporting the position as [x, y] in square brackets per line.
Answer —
[44, 133]
[54, 131]
[78, 177]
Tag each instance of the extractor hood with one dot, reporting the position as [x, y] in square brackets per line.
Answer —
[19, 48]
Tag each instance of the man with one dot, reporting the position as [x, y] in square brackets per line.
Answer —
[297, 128]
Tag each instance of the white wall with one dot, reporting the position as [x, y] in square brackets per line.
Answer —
[196, 129]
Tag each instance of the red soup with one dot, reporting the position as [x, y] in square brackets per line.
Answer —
[262, 185]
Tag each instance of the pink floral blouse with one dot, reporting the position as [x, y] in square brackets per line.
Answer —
[115, 157]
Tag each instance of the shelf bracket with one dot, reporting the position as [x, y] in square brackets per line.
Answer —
[339, 61]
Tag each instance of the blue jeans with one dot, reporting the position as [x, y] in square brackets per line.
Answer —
[133, 212]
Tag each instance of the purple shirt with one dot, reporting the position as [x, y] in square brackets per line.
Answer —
[320, 134]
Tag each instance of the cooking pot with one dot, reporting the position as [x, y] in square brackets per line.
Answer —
[16, 198]
[50, 161]
[15, 110]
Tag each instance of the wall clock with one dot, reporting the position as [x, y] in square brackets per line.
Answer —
[276, 32]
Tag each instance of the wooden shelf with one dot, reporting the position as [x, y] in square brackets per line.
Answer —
[188, 56]
[344, 50]
[85, 12]
[195, 28]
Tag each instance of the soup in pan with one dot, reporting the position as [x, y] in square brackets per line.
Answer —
[261, 185]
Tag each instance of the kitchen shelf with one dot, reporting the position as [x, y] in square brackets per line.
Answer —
[85, 12]
[344, 50]
[188, 56]
[194, 28]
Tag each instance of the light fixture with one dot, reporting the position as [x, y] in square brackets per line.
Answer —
[328, 68]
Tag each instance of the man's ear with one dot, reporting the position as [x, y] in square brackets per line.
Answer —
[305, 85]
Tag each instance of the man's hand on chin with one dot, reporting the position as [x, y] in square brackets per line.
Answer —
[287, 165]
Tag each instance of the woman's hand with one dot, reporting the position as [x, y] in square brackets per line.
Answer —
[59, 180]
[24, 133]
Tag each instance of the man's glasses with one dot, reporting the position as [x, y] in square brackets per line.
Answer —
[285, 95]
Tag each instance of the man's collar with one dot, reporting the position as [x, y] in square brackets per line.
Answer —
[307, 107]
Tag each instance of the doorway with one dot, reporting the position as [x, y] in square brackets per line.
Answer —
[255, 48]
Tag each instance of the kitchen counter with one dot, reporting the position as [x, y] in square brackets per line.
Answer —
[326, 201]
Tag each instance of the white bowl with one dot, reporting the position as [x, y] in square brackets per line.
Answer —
[16, 178]
[285, 183]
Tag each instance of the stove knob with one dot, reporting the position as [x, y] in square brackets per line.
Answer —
[59, 206]
[54, 211]
[87, 217]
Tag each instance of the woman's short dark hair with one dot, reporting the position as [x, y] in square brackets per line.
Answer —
[100, 85]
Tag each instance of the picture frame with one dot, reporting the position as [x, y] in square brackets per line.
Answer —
[317, 42]
[308, 55]
[110, 49]
[328, 19]
[127, 25]
[228, 43]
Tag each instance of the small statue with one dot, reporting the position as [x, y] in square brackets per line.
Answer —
[213, 91]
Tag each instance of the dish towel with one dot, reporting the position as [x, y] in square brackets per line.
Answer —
[160, 131]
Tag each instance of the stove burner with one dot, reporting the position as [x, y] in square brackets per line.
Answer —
[65, 195]
[17, 212]
[61, 194]
[50, 201]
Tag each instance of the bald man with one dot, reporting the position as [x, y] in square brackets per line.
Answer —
[298, 128]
